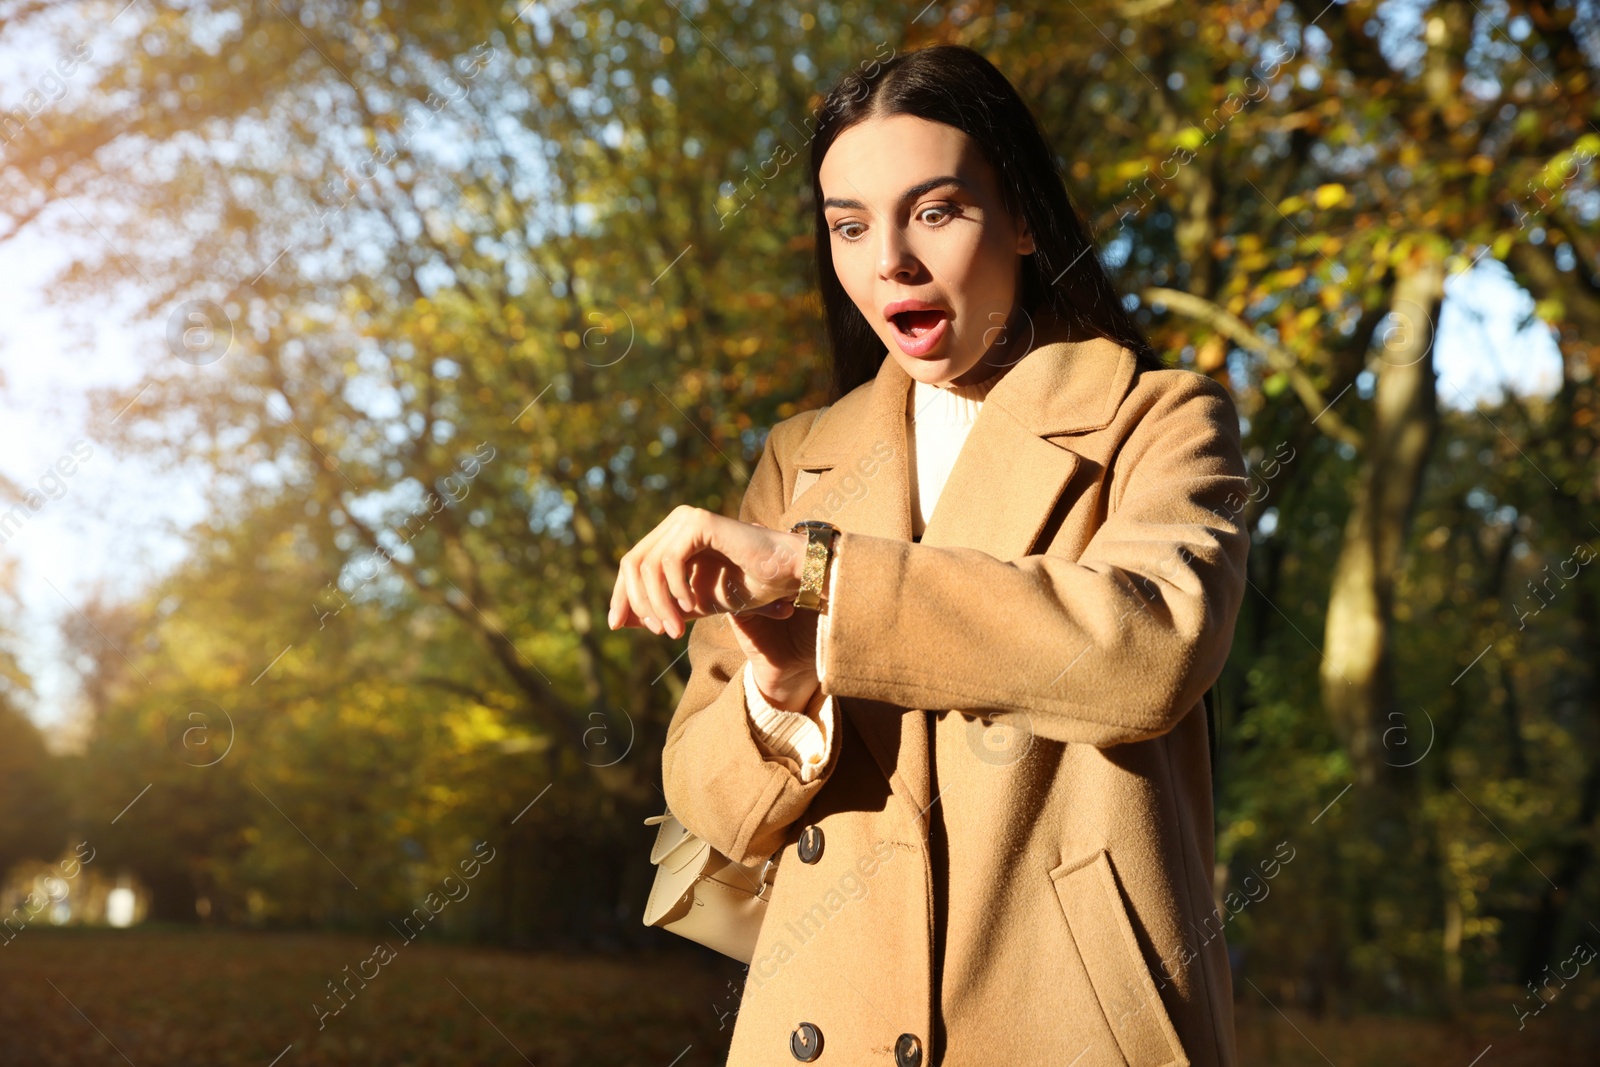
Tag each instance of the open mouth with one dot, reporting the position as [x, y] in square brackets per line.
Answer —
[916, 323]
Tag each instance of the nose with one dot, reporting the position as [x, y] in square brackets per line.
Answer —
[897, 261]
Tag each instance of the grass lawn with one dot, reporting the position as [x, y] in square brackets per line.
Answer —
[173, 998]
[165, 998]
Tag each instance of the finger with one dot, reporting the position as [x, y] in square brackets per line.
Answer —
[678, 537]
[652, 596]
[621, 609]
[662, 604]
[626, 605]
[616, 614]
[691, 575]
[675, 568]
[710, 575]
[669, 576]
[778, 609]
[666, 576]
[623, 605]
[638, 600]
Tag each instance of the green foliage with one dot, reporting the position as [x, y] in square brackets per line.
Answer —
[571, 289]
[30, 793]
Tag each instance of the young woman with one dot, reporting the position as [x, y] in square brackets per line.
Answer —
[966, 710]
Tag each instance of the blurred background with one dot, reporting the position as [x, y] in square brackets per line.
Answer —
[344, 347]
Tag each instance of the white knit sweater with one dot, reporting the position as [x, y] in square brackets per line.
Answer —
[937, 422]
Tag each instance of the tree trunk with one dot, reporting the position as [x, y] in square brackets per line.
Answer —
[1577, 853]
[1357, 689]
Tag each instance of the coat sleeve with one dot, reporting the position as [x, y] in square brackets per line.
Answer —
[1114, 647]
[716, 779]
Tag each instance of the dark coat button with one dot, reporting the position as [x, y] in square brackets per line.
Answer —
[811, 844]
[908, 1051]
[806, 1042]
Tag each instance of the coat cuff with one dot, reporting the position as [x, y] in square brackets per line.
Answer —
[715, 777]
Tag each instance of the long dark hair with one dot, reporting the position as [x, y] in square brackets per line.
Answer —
[959, 87]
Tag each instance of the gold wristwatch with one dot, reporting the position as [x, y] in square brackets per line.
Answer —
[820, 538]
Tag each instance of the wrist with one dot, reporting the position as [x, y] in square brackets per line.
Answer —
[794, 573]
[790, 691]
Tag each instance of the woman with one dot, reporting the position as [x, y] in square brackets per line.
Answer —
[984, 759]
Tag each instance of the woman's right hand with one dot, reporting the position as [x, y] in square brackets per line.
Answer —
[782, 654]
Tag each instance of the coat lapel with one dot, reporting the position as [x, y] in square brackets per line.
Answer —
[1007, 480]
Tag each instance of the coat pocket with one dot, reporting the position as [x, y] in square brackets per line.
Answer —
[1098, 918]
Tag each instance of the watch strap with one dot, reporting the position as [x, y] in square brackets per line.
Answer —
[820, 538]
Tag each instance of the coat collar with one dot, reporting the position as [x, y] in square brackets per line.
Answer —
[1058, 387]
[1008, 479]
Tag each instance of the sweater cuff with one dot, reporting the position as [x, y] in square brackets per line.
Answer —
[791, 735]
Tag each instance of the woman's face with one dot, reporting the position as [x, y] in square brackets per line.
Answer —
[916, 215]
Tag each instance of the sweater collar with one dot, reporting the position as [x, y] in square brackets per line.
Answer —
[952, 403]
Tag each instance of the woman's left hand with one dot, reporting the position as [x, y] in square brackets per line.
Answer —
[698, 563]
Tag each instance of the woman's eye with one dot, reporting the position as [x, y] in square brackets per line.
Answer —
[943, 211]
[843, 226]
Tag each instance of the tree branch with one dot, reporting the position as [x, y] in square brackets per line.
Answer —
[1237, 330]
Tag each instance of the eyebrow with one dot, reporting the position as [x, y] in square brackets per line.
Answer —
[910, 194]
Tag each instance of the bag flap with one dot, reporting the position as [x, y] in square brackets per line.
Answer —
[676, 847]
[673, 889]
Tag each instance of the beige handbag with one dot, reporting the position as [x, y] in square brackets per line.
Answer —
[703, 895]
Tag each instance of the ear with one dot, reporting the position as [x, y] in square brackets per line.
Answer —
[1025, 241]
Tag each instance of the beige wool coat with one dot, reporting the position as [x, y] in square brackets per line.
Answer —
[1009, 858]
